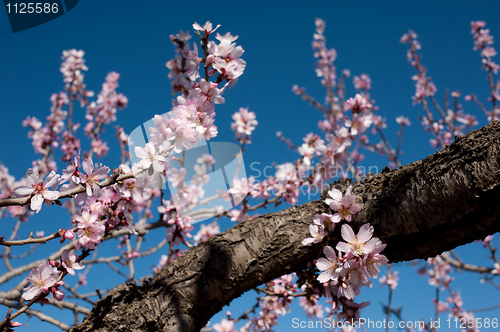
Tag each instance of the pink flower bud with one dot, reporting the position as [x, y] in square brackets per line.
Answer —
[57, 293]
[14, 324]
[68, 234]
[54, 263]
[210, 59]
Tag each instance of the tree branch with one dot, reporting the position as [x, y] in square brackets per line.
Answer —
[419, 211]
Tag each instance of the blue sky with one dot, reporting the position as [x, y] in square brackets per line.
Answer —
[132, 38]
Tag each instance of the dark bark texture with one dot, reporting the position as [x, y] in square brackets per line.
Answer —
[419, 210]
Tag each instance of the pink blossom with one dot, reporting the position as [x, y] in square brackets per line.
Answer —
[176, 176]
[403, 120]
[67, 234]
[344, 206]
[41, 280]
[32, 122]
[326, 220]
[487, 240]
[241, 187]
[286, 172]
[72, 69]
[57, 293]
[358, 123]
[329, 266]
[69, 263]
[99, 147]
[151, 158]
[91, 178]
[363, 82]
[206, 232]
[207, 28]
[90, 230]
[311, 307]
[359, 244]
[71, 171]
[307, 152]
[206, 95]
[317, 233]
[224, 326]
[372, 262]
[82, 279]
[391, 279]
[358, 104]
[227, 56]
[244, 124]
[39, 190]
[181, 132]
[12, 324]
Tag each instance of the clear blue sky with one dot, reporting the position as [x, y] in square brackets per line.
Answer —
[132, 38]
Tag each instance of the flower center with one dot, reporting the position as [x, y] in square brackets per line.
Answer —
[38, 188]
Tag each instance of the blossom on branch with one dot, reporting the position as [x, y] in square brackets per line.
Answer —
[151, 158]
[359, 244]
[91, 178]
[243, 125]
[207, 28]
[70, 263]
[344, 206]
[41, 280]
[39, 190]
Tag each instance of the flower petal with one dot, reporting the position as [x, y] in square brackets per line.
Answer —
[51, 195]
[365, 233]
[347, 233]
[23, 191]
[88, 166]
[36, 202]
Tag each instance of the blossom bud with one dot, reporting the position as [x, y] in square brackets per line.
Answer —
[68, 234]
[14, 324]
[57, 293]
[54, 263]
[210, 59]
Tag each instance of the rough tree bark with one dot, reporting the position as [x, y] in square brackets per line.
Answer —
[419, 211]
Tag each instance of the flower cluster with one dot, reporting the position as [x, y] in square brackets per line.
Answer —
[43, 280]
[359, 257]
[185, 66]
[103, 111]
[363, 82]
[423, 83]
[225, 57]
[40, 191]
[361, 260]
[72, 69]
[324, 223]
[482, 42]
[46, 137]
[454, 121]
[438, 271]
[243, 125]
[273, 305]
[390, 279]
[324, 65]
